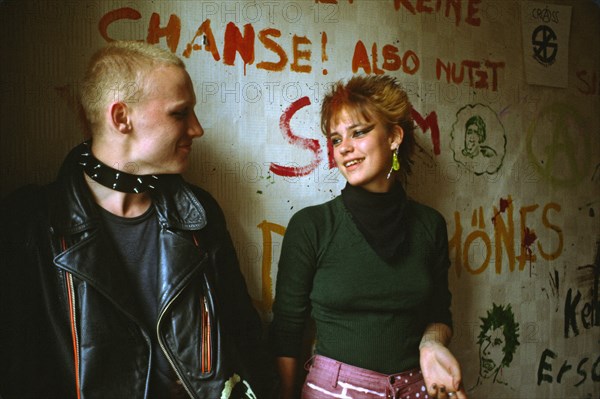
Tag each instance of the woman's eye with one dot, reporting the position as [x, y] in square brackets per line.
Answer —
[335, 141]
[362, 132]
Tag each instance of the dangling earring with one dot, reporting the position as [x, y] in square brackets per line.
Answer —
[395, 162]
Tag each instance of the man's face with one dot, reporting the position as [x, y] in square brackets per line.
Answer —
[491, 352]
[164, 122]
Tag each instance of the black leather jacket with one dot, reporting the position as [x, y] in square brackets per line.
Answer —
[67, 320]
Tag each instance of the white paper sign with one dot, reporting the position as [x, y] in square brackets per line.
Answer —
[545, 30]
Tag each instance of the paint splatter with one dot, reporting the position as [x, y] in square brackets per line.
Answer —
[504, 204]
[529, 238]
[324, 50]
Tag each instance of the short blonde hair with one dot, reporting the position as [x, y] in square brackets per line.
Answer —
[377, 96]
[117, 71]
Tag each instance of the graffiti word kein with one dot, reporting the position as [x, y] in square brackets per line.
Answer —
[589, 313]
[448, 7]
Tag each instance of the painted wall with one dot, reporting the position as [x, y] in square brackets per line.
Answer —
[523, 216]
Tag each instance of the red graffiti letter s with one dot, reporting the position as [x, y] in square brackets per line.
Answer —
[308, 144]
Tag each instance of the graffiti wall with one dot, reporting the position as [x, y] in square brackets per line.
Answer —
[506, 95]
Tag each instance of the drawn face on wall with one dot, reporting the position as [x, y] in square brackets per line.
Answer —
[472, 137]
[491, 352]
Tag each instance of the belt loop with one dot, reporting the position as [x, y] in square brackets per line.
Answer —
[391, 391]
[309, 363]
[336, 374]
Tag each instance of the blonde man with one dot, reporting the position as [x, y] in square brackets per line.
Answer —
[119, 279]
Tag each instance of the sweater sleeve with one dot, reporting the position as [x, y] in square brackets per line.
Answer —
[296, 269]
[442, 298]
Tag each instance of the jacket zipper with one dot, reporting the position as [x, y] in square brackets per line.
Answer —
[164, 349]
[75, 337]
[206, 338]
[73, 321]
[206, 350]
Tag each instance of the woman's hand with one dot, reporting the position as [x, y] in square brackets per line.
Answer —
[441, 372]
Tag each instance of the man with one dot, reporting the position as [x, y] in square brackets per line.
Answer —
[119, 279]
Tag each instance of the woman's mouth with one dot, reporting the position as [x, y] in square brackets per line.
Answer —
[353, 162]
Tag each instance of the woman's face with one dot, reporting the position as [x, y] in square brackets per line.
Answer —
[363, 150]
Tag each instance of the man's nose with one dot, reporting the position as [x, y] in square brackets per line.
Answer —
[196, 129]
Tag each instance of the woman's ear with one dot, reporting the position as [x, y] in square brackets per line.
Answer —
[397, 135]
[120, 118]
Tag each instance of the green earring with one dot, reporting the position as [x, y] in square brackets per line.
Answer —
[395, 162]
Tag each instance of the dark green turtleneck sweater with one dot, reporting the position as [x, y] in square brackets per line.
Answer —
[371, 302]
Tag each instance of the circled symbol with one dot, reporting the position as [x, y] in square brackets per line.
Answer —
[558, 145]
[544, 46]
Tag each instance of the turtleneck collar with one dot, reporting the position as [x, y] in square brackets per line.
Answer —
[378, 217]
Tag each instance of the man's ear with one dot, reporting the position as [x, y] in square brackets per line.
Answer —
[120, 117]
[397, 135]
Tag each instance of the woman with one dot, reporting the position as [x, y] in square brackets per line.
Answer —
[370, 266]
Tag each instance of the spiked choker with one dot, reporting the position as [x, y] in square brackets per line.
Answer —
[112, 178]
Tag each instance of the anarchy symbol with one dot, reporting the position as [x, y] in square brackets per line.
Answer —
[558, 144]
[544, 47]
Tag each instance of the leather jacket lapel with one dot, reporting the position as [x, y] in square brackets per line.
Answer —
[179, 261]
[95, 261]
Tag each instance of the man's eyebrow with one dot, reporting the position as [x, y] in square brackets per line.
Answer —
[187, 103]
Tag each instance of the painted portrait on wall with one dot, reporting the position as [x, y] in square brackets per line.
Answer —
[498, 341]
[478, 139]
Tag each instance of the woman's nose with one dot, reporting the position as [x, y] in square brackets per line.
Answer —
[345, 147]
